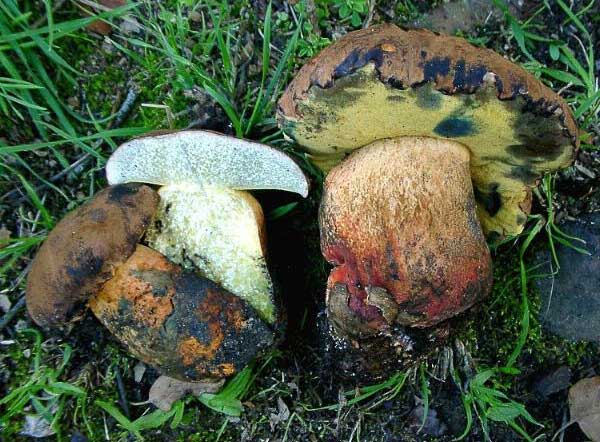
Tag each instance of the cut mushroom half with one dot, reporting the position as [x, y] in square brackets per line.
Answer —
[219, 232]
[178, 275]
[175, 320]
[204, 158]
[206, 221]
[430, 145]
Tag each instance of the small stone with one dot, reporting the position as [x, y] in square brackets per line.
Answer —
[36, 426]
[282, 415]
[195, 16]
[130, 25]
[107, 47]
[571, 299]
[78, 437]
[4, 235]
[432, 426]
[584, 170]
[138, 372]
[73, 102]
[5, 303]
[461, 15]
[553, 382]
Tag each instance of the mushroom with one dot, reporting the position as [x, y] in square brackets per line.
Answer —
[204, 221]
[178, 275]
[83, 250]
[431, 145]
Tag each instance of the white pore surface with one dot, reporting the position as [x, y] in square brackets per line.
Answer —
[204, 157]
[214, 230]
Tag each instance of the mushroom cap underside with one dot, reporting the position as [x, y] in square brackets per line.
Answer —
[385, 82]
[83, 250]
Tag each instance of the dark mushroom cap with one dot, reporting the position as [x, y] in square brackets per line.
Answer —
[83, 250]
[180, 322]
[385, 82]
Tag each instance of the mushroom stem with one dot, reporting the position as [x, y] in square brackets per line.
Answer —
[183, 324]
[398, 221]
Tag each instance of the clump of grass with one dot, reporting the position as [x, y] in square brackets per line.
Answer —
[30, 98]
[482, 396]
[248, 109]
[152, 420]
[43, 395]
[574, 70]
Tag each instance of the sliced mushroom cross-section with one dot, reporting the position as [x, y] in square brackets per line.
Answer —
[198, 303]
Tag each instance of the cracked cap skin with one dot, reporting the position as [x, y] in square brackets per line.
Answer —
[386, 82]
[179, 321]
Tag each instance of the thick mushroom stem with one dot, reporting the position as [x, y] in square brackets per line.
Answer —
[398, 221]
[179, 322]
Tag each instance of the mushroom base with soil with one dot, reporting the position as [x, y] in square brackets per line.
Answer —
[179, 321]
[398, 221]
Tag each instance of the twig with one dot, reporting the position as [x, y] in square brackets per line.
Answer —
[121, 388]
[369, 17]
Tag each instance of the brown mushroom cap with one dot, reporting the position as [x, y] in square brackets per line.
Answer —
[83, 250]
[385, 82]
[407, 247]
[180, 322]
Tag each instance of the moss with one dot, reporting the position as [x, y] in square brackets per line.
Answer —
[491, 330]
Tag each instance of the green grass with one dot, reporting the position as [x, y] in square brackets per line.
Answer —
[572, 64]
[42, 392]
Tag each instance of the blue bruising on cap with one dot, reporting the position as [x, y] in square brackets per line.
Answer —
[435, 67]
[468, 78]
[357, 59]
[453, 127]
[428, 98]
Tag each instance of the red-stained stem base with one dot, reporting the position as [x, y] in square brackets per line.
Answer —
[398, 221]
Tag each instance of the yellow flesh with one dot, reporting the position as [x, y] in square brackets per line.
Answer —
[215, 230]
[360, 109]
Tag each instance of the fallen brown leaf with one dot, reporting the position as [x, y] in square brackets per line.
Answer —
[99, 26]
[165, 390]
[584, 406]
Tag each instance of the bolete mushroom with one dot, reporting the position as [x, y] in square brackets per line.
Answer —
[452, 139]
[178, 275]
